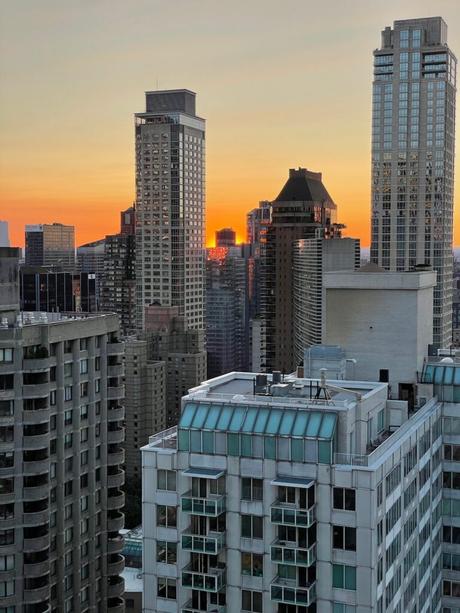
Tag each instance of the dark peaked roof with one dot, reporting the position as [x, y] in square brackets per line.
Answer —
[303, 185]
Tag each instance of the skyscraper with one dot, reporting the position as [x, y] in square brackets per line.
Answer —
[4, 237]
[302, 209]
[170, 214]
[226, 237]
[90, 259]
[50, 245]
[413, 124]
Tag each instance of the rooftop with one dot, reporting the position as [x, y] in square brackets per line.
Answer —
[305, 186]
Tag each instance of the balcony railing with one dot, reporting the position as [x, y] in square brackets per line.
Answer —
[213, 580]
[286, 514]
[211, 506]
[285, 552]
[212, 543]
[287, 591]
[211, 608]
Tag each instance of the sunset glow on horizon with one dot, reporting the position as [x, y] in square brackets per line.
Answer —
[286, 86]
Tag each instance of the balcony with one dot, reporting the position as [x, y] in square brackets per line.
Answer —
[115, 605]
[36, 390]
[38, 594]
[116, 435]
[36, 544]
[211, 506]
[116, 479]
[285, 514]
[115, 348]
[212, 543]
[117, 414]
[211, 581]
[116, 501]
[288, 592]
[116, 392]
[115, 545]
[211, 608]
[115, 564]
[115, 586]
[37, 441]
[39, 416]
[115, 521]
[115, 457]
[37, 569]
[115, 370]
[36, 519]
[36, 467]
[286, 552]
[38, 363]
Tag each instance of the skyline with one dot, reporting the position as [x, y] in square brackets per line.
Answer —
[72, 149]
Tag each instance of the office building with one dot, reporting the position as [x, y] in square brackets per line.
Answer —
[170, 205]
[61, 427]
[52, 291]
[145, 402]
[413, 156]
[4, 236]
[382, 319]
[227, 309]
[118, 289]
[289, 494]
[90, 259]
[50, 245]
[181, 348]
[312, 258]
[226, 237]
[302, 209]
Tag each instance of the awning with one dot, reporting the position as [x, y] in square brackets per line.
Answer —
[293, 482]
[203, 473]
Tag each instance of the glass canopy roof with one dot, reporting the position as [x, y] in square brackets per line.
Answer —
[441, 374]
[252, 419]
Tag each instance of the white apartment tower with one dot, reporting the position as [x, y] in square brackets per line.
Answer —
[413, 127]
[170, 209]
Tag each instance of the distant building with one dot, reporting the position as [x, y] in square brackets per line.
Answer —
[302, 209]
[413, 139]
[181, 348]
[51, 290]
[90, 259]
[170, 205]
[383, 321]
[227, 310]
[118, 288]
[50, 245]
[4, 236]
[132, 574]
[312, 258]
[225, 237]
[61, 426]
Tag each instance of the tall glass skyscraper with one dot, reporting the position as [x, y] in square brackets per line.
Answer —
[170, 205]
[413, 126]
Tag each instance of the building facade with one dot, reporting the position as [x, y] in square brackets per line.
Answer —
[226, 237]
[302, 209]
[4, 235]
[277, 497]
[413, 136]
[313, 257]
[90, 259]
[170, 205]
[61, 429]
[50, 245]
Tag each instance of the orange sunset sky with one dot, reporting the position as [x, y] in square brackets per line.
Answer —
[281, 84]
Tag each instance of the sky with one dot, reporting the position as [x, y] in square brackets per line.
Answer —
[280, 84]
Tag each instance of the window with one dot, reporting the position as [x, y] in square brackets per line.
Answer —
[6, 588]
[252, 564]
[6, 563]
[83, 367]
[251, 601]
[451, 588]
[344, 537]
[252, 526]
[6, 537]
[341, 607]
[344, 576]
[68, 393]
[344, 498]
[166, 480]
[6, 355]
[251, 489]
[393, 479]
[166, 588]
[166, 516]
[167, 552]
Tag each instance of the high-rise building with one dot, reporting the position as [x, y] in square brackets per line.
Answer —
[181, 348]
[313, 257]
[145, 402]
[226, 237]
[50, 245]
[413, 133]
[90, 259]
[118, 287]
[61, 426]
[49, 290]
[4, 236]
[302, 495]
[227, 337]
[170, 209]
[302, 209]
